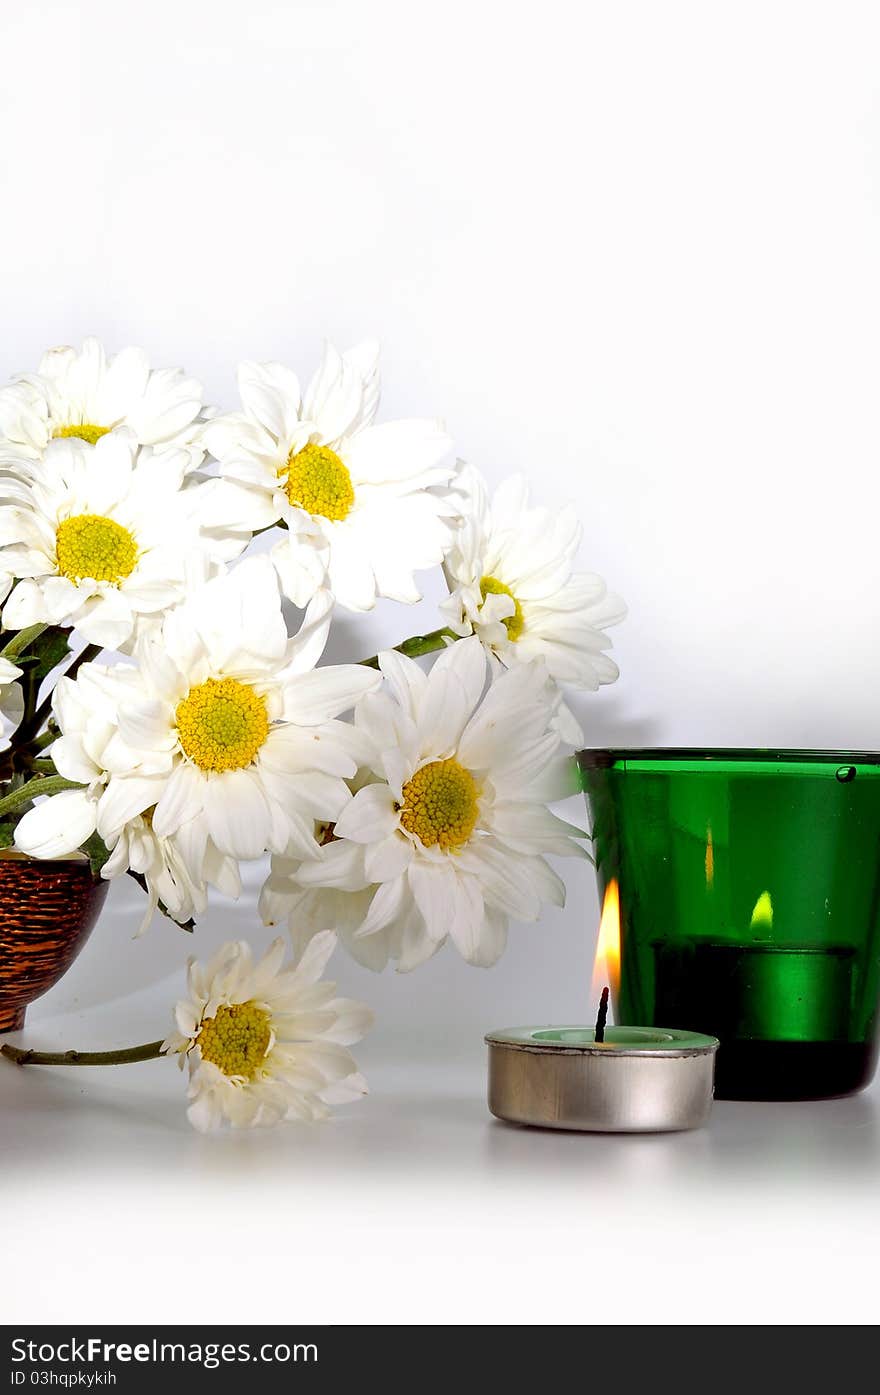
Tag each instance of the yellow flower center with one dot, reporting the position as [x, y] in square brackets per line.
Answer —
[222, 724]
[316, 480]
[85, 432]
[236, 1039]
[96, 547]
[514, 624]
[439, 804]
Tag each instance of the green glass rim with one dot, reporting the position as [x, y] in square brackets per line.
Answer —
[709, 756]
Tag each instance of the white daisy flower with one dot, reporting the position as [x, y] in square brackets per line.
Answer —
[177, 870]
[100, 539]
[85, 710]
[85, 395]
[511, 582]
[357, 499]
[449, 840]
[308, 910]
[222, 731]
[166, 864]
[264, 1043]
[11, 700]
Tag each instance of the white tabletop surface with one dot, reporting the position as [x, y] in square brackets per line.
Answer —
[415, 1206]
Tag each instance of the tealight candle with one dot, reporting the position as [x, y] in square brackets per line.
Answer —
[636, 1080]
[602, 1079]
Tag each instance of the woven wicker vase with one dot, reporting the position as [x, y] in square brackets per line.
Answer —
[47, 910]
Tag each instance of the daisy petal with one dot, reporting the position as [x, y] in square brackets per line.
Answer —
[370, 816]
[387, 859]
[312, 698]
[238, 816]
[58, 825]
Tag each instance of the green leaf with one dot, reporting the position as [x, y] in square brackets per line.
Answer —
[7, 833]
[46, 652]
[97, 852]
[23, 793]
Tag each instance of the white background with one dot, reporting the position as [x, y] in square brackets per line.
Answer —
[630, 249]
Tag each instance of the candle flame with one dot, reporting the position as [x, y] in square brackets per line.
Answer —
[762, 915]
[607, 967]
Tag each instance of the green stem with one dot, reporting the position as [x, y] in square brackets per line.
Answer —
[187, 925]
[85, 656]
[22, 1056]
[53, 784]
[20, 642]
[417, 645]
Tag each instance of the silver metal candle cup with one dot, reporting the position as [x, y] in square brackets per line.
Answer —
[640, 1080]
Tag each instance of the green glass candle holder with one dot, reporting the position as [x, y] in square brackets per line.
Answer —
[750, 907]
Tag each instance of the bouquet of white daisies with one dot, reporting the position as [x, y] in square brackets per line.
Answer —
[158, 714]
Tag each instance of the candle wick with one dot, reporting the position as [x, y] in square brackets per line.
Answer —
[602, 1018]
